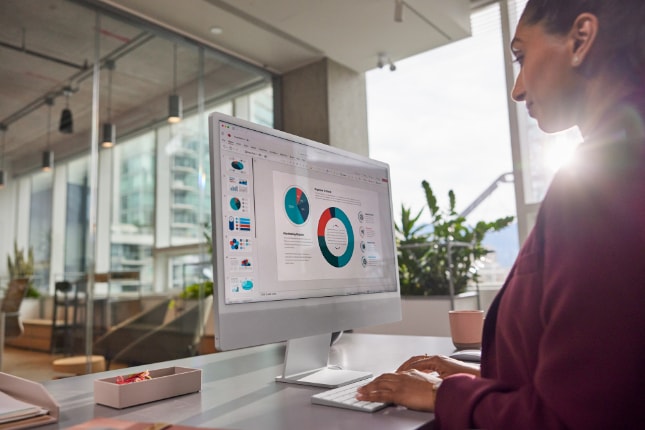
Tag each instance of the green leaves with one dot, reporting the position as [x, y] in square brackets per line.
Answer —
[431, 254]
[193, 291]
[409, 229]
[431, 199]
[22, 267]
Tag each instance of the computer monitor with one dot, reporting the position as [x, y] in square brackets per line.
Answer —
[303, 245]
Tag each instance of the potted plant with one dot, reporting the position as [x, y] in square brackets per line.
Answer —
[22, 267]
[434, 256]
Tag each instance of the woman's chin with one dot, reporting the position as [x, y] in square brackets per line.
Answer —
[552, 125]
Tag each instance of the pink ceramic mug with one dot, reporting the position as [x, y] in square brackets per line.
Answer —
[466, 328]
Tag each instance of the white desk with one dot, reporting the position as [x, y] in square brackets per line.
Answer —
[238, 389]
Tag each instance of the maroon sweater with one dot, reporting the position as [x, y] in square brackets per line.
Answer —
[564, 340]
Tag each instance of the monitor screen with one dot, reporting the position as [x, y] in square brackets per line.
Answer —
[303, 238]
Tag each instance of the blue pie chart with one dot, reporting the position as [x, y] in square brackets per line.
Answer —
[236, 204]
[296, 205]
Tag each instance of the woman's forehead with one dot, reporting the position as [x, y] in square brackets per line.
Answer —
[523, 33]
[527, 33]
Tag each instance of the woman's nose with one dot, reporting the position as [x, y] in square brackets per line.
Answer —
[519, 93]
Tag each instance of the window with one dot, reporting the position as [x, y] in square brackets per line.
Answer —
[442, 116]
[539, 155]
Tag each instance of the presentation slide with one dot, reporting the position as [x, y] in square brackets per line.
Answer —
[325, 230]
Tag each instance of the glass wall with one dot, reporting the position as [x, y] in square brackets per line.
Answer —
[133, 207]
[135, 214]
[40, 223]
[77, 216]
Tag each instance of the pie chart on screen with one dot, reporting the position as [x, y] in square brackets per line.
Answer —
[335, 237]
[296, 205]
[236, 204]
[247, 285]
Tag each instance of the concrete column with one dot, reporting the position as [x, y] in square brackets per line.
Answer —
[326, 102]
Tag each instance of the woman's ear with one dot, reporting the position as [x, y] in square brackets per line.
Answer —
[582, 36]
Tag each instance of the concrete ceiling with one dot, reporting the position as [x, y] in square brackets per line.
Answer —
[46, 45]
[285, 34]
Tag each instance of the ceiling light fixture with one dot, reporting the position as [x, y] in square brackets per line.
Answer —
[398, 10]
[174, 100]
[109, 129]
[66, 124]
[216, 30]
[3, 129]
[48, 154]
[383, 59]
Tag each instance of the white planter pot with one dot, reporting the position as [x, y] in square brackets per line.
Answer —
[31, 308]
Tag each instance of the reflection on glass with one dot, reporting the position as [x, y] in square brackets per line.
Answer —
[40, 227]
[133, 207]
[152, 191]
[188, 149]
[77, 216]
[190, 269]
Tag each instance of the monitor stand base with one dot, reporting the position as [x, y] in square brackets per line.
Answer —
[305, 363]
[327, 377]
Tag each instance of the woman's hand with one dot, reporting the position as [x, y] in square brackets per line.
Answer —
[444, 366]
[414, 390]
[413, 384]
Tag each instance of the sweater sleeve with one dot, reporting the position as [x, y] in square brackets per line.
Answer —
[570, 339]
[467, 402]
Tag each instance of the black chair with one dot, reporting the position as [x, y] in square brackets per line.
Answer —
[68, 315]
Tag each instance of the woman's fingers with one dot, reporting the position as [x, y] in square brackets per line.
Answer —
[414, 363]
[401, 388]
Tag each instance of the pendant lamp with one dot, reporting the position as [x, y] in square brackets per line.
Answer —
[109, 129]
[174, 100]
[3, 128]
[66, 124]
[48, 154]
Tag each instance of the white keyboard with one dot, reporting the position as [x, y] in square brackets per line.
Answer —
[345, 397]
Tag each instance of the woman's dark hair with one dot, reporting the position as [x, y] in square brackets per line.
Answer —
[621, 35]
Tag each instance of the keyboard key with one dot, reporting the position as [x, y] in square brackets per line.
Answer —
[345, 397]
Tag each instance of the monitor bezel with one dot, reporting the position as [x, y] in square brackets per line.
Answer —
[274, 320]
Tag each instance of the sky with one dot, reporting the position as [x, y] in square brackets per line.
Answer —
[442, 116]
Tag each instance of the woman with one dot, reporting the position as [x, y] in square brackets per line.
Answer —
[564, 340]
